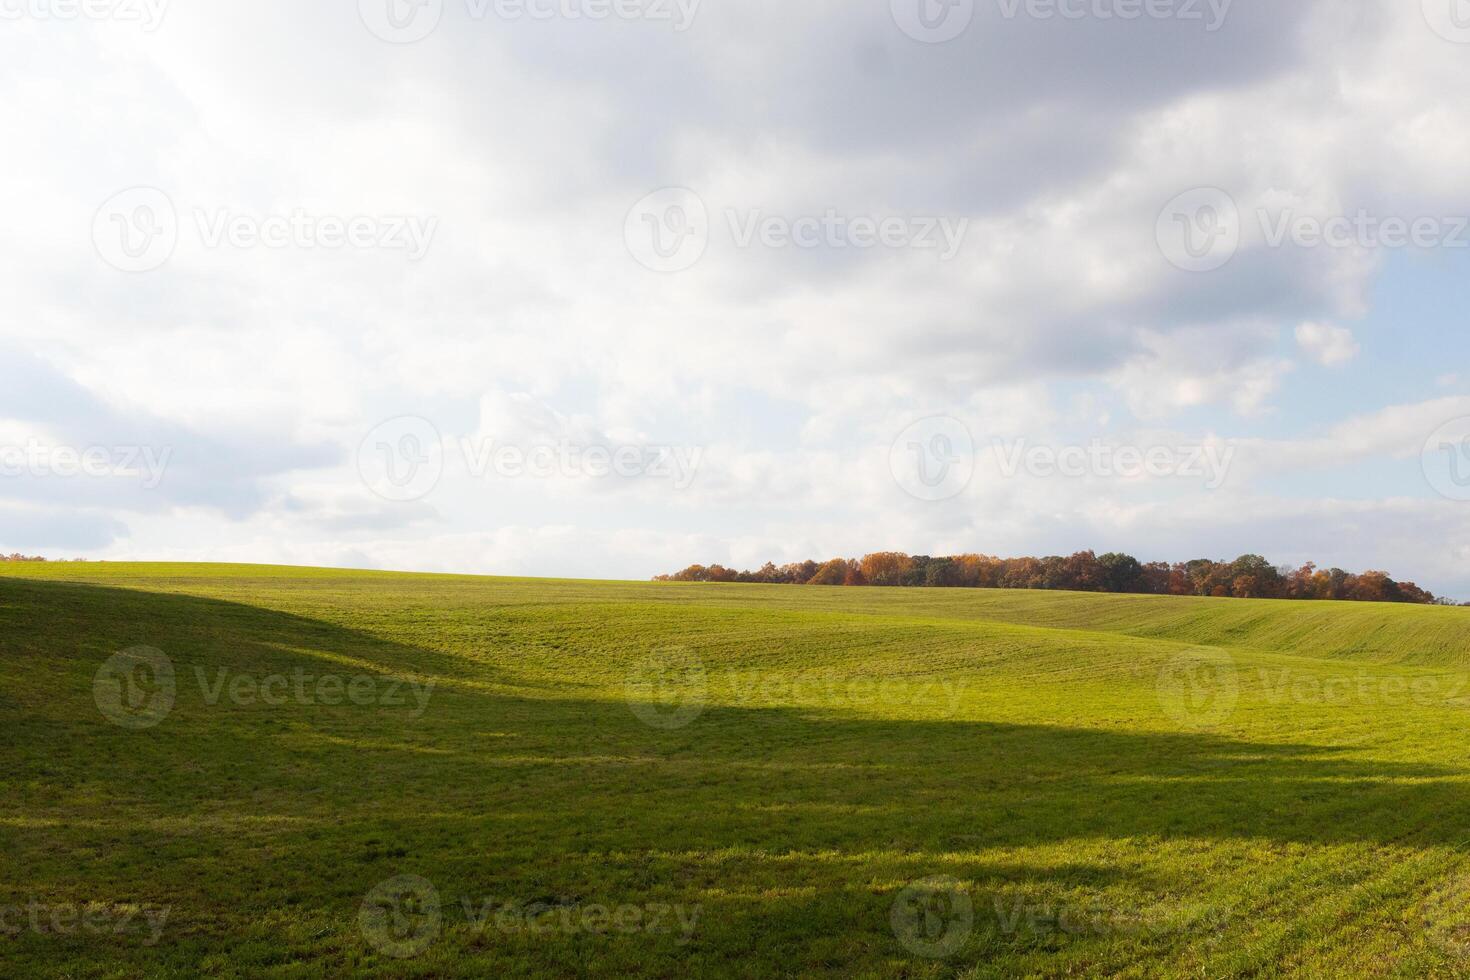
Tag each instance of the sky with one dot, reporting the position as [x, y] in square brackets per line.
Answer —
[602, 288]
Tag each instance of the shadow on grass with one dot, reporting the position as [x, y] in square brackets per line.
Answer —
[794, 826]
[768, 771]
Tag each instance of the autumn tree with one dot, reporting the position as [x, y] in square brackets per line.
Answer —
[1247, 577]
[886, 567]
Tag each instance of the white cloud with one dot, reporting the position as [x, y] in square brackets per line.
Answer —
[792, 369]
[1328, 345]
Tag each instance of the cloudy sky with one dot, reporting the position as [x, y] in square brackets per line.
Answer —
[606, 287]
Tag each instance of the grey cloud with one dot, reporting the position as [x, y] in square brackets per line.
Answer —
[52, 530]
[355, 514]
[225, 470]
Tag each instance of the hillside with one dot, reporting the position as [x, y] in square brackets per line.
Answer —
[1122, 784]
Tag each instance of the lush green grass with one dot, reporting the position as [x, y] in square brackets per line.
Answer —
[1120, 785]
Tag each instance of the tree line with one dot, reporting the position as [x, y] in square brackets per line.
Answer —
[1247, 577]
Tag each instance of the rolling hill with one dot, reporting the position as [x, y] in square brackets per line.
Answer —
[247, 771]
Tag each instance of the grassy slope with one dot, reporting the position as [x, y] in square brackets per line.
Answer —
[1018, 742]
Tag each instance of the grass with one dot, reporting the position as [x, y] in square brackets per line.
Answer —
[702, 780]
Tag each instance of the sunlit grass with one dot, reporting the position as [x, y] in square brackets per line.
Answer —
[786, 761]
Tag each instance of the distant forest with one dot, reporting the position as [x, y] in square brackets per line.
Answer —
[1247, 577]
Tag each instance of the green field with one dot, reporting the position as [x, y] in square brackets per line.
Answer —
[439, 776]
